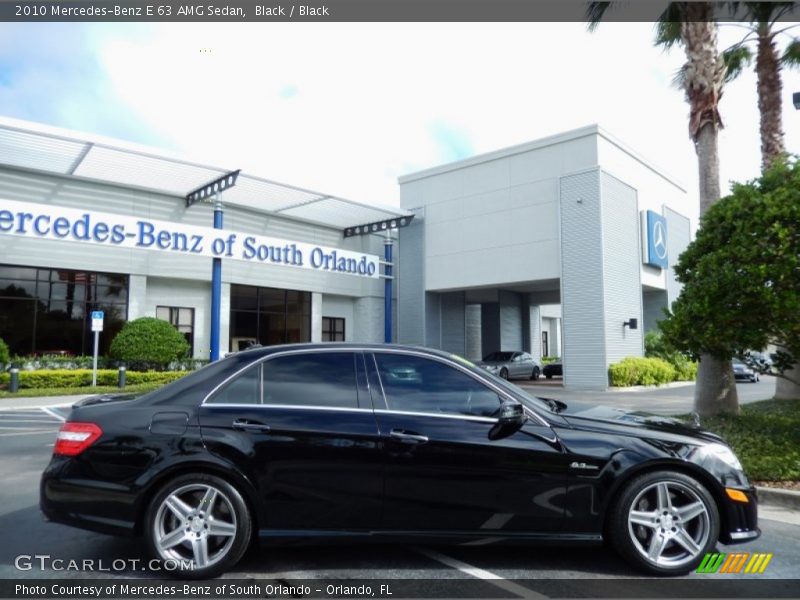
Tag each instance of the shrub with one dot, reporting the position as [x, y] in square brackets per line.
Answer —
[149, 341]
[546, 360]
[657, 346]
[3, 352]
[641, 371]
[76, 378]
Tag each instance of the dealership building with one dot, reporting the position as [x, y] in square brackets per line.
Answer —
[559, 247]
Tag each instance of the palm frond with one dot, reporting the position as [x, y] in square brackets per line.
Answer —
[595, 13]
[791, 56]
[668, 26]
[736, 58]
[679, 78]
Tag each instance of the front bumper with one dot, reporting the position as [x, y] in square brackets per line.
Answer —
[740, 519]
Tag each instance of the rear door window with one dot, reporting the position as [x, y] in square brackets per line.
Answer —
[319, 379]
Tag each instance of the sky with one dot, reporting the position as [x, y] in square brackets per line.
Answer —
[346, 109]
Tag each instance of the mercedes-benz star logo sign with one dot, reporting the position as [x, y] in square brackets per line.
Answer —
[659, 240]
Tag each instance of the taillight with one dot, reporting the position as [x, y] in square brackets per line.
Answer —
[74, 438]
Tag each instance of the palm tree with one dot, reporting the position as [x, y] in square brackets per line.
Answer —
[762, 19]
[692, 24]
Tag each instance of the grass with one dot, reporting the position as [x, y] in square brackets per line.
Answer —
[74, 391]
[765, 437]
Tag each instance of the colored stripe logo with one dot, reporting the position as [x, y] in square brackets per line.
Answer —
[738, 562]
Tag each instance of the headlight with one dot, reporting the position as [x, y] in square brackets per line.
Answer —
[722, 453]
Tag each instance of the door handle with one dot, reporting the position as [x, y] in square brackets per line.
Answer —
[245, 425]
[408, 438]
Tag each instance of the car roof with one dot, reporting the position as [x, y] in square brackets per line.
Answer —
[259, 351]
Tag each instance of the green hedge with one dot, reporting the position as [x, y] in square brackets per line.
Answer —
[73, 378]
[36, 363]
[149, 340]
[546, 360]
[641, 371]
[3, 352]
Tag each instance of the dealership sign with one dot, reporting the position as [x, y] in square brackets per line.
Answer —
[654, 240]
[40, 221]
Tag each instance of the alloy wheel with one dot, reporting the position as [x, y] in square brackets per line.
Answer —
[669, 524]
[195, 522]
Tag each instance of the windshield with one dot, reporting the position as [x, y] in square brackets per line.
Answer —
[498, 357]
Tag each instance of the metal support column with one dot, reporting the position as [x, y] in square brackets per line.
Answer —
[216, 287]
[387, 289]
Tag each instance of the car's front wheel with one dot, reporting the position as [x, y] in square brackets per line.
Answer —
[664, 523]
[199, 525]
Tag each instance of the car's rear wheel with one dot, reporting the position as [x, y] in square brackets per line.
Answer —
[504, 373]
[664, 523]
[535, 373]
[199, 525]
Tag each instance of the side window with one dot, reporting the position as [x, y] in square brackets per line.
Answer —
[416, 384]
[243, 389]
[313, 379]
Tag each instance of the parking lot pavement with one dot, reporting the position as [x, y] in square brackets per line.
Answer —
[664, 400]
[488, 570]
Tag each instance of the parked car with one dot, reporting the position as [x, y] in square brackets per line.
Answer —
[511, 365]
[312, 442]
[744, 373]
[553, 369]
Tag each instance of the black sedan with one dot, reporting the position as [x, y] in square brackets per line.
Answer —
[553, 369]
[330, 441]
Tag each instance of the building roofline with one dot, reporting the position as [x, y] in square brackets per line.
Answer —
[559, 138]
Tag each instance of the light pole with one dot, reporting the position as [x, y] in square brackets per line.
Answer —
[213, 190]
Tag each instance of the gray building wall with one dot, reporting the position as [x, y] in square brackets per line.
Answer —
[678, 238]
[622, 287]
[411, 303]
[582, 295]
[472, 316]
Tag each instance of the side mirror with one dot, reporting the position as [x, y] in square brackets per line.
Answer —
[512, 418]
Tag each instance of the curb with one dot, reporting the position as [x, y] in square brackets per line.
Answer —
[644, 388]
[774, 496]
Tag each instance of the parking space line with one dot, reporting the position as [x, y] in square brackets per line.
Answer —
[29, 432]
[482, 574]
[53, 413]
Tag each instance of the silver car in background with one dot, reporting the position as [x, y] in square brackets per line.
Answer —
[511, 365]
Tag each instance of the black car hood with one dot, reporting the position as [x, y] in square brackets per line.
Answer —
[581, 414]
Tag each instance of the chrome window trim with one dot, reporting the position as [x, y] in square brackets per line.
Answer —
[438, 415]
[290, 406]
[499, 391]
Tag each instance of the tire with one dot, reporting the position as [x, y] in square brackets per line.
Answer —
[504, 373]
[657, 542]
[548, 376]
[535, 373]
[179, 526]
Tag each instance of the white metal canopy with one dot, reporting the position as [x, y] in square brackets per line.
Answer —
[58, 151]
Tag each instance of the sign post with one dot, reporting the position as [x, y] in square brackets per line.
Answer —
[97, 327]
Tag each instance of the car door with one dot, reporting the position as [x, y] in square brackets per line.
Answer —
[443, 473]
[300, 426]
[516, 366]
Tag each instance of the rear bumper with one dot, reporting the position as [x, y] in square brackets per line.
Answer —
[740, 519]
[86, 504]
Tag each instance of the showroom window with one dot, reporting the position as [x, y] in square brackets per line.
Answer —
[415, 384]
[325, 379]
[48, 311]
[180, 317]
[268, 316]
[332, 329]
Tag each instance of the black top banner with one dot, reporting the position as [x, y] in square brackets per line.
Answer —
[346, 11]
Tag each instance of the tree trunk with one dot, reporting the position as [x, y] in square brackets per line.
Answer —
[715, 390]
[770, 87]
[788, 390]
